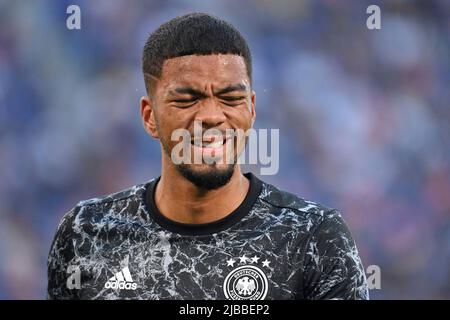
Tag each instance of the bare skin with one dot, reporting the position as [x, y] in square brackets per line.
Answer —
[219, 95]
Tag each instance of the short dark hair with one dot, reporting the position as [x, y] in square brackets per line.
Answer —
[194, 33]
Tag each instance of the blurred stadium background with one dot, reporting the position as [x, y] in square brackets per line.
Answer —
[364, 120]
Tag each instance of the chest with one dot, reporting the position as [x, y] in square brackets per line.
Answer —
[159, 266]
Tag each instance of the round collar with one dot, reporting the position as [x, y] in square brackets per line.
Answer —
[204, 228]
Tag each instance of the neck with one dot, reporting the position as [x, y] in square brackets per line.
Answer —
[194, 205]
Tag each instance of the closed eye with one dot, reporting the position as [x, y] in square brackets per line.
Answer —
[232, 101]
[185, 102]
[232, 98]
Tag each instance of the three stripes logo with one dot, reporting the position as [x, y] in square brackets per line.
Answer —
[121, 280]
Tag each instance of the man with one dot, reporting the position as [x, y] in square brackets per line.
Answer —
[202, 230]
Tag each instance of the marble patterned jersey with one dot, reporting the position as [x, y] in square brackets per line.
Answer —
[275, 245]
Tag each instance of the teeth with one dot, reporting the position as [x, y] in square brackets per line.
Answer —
[208, 144]
[216, 144]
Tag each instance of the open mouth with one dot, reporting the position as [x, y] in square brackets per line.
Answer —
[214, 147]
[213, 142]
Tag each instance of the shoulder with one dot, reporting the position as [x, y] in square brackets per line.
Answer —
[126, 194]
[296, 214]
[294, 205]
[93, 211]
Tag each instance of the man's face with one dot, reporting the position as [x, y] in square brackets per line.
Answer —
[206, 92]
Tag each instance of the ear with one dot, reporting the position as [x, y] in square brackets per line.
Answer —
[148, 116]
[253, 99]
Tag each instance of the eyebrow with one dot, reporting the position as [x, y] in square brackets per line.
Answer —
[231, 88]
[198, 93]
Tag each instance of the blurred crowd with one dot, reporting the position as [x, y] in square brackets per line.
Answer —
[364, 121]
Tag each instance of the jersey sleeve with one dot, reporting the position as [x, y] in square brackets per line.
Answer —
[59, 259]
[332, 266]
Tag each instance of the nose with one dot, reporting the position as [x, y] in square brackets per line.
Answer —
[210, 114]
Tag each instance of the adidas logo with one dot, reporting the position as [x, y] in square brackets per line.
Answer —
[121, 280]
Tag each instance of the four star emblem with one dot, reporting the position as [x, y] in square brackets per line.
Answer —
[244, 259]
